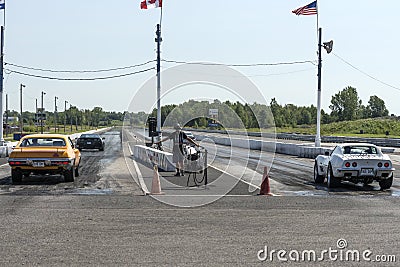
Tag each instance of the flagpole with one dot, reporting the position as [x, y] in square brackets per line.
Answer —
[318, 134]
[319, 38]
[317, 17]
[4, 15]
[159, 40]
[161, 14]
[2, 141]
[1, 84]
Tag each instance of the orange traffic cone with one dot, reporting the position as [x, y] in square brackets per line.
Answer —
[155, 184]
[265, 188]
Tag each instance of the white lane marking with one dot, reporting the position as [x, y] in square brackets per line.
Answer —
[158, 196]
[244, 181]
[139, 174]
[3, 165]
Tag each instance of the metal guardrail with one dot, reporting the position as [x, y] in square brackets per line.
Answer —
[386, 142]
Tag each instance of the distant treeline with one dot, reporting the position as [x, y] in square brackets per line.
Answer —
[95, 117]
[345, 106]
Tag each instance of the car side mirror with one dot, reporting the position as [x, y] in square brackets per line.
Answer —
[327, 153]
[103, 138]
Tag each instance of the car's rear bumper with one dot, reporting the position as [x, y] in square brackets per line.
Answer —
[378, 174]
[42, 165]
[86, 146]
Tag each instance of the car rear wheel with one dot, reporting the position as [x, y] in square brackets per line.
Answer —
[69, 175]
[332, 180]
[318, 179]
[101, 148]
[16, 176]
[77, 171]
[387, 183]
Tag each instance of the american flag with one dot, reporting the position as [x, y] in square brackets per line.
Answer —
[310, 9]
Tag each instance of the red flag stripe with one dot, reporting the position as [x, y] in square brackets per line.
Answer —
[146, 4]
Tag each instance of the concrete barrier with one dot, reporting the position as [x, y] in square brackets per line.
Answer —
[300, 150]
[385, 142]
[150, 157]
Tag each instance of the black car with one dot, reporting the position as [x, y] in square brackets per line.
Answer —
[90, 141]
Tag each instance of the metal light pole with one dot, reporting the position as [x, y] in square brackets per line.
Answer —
[328, 47]
[21, 122]
[158, 40]
[42, 113]
[318, 135]
[1, 84]
[37, 117]
[55, 114]
[70, 115]
[65, 113]
[6, 114]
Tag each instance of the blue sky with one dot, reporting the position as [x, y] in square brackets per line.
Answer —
[92, 35]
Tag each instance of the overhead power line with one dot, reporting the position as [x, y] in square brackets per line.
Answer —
[8, 71]
[366, 74]
[79, 71]
[240, 65]
[12, 70]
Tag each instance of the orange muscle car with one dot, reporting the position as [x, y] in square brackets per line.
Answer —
[44, 154]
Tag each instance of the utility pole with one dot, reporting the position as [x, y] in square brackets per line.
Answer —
[42, 113]
[76, 119]
[1, 84]
[70, 115]
[6, 114]
[37, 117]
[65, 113]
[328, 46]
[158, 40]
[21, 122]
[55, 114]
[318, 135]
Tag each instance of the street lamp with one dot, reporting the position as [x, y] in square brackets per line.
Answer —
[65, 113]
[70, 114]
[41, 117]
[328, 47]
[55, 114]
[36, 117]
[21, 123]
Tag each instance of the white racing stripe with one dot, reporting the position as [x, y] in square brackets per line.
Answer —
[139, 174]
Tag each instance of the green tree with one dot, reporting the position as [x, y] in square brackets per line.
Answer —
[97, 115]
[277, 112]
[376, 107]
[346, 105]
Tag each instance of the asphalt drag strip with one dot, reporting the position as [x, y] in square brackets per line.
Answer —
[219, 183]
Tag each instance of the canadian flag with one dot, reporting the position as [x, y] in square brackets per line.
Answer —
[146, 4]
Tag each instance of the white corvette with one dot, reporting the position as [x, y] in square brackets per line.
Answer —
[354, 162]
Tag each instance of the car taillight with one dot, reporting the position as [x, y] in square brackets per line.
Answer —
[386, 164]
[347, 164]
[354, 164]
[380, 164]
[61, 162]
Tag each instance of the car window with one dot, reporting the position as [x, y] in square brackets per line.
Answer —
[360, 150]
[90, 136]
[336, 150]
[40, 142]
